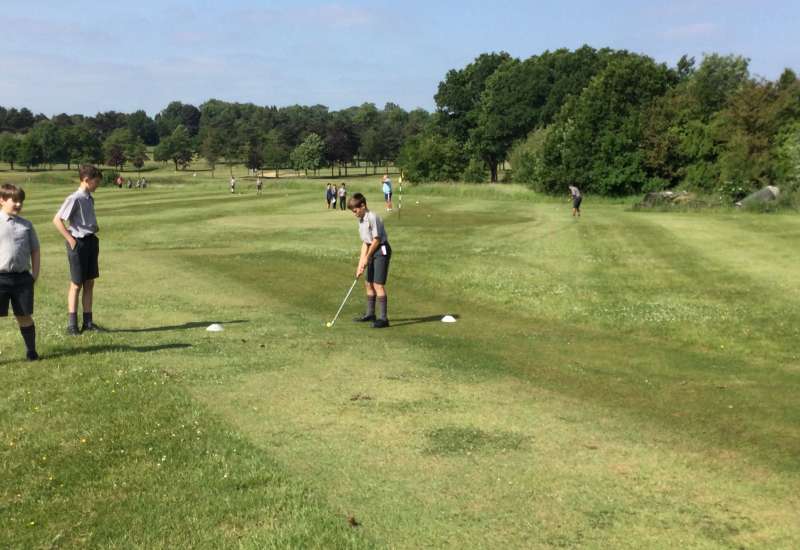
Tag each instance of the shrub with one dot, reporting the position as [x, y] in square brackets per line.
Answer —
[475, 172]
[432, 157]
[109, 177]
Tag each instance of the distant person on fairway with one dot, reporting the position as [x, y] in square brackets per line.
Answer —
[233, 184]
[259, 186]
[342, 196]
[374, 259]
[19, 265]
[387, 192]
[83, 248]
[334, 194]
[328, 194]
[577, 198]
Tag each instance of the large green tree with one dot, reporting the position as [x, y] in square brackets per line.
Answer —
[597, 139]
[458, 96]
[432, 157]
[29, 153]
[116, 147]
[51, 142]
[275, 151]
[309, 154]
[9, 148]
[83, 144]
[211, 146]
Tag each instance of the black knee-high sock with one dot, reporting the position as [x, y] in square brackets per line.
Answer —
[72, 320]
[371, 305]
[29, 335]
[382, 303]
[87, 318]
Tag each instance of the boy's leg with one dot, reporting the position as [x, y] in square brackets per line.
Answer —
[381, 274]
[88, 296]
[370, 313]
[381, 301]
[28, 331]
[73, 294]
[21, 297]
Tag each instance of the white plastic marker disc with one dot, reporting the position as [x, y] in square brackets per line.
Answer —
[448, 319]
[215, 327]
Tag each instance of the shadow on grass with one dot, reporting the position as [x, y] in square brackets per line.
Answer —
[105, 348]
[416, 320]
[184, 326]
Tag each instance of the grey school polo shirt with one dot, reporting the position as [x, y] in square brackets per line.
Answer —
[17, 241]
[370, 227]
[78, 209]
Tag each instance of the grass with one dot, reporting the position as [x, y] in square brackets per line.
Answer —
[627, 380]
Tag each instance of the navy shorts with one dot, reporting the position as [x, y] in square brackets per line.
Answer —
[16, 288]
[387, 196]
[576, 202]
[82, 259]
[378, 267]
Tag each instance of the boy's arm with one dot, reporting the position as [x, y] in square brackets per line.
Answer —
[35, 262]
[362, 260]
[366, 253]
[59, 223]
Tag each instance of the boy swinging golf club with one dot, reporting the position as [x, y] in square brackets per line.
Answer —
[375, 257]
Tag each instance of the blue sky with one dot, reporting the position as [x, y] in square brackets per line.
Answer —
[85, 56]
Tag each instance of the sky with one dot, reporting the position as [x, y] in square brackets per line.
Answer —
[88, 56]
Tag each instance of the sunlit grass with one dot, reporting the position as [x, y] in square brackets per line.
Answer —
[624, 380]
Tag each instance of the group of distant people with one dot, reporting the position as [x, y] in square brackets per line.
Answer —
[259, 185]
[338, 195]
[334, 195]
[121, 182]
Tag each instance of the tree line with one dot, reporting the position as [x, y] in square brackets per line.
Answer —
[261, 137]
[613, 122]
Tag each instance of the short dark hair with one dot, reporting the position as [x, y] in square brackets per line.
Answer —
[89, 171]
[11, 191]
[356, 200]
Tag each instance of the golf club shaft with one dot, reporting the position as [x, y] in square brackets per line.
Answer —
[344, 301]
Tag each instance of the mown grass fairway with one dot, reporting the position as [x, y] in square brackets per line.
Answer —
[628, 380]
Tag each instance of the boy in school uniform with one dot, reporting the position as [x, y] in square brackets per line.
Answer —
[83, 248]
[342, 196]
[375, 257]
[19, 265]
[577, 198]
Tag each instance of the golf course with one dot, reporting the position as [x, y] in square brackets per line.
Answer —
[627, 379]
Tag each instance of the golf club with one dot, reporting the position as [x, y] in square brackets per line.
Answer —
[330, 323]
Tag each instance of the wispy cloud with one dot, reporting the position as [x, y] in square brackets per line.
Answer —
[691, 30]
[323, 14]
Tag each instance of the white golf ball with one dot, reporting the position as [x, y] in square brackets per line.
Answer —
[328, 324]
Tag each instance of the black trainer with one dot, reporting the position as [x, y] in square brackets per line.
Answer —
[364, 318]
[72, 330]
[380, 323]
[32, 355]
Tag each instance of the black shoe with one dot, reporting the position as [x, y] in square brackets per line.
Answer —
[72, 331]
[380, 323]
[91, 327]
[32, 355]
[364, 319]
